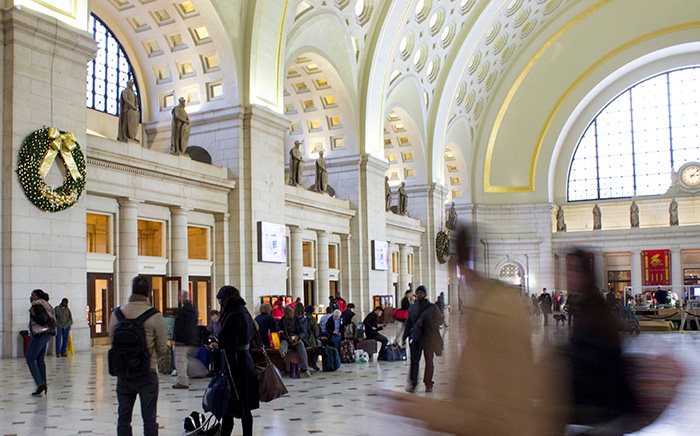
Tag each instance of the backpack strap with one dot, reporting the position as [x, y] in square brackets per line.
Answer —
[147, 314]
[118, 313]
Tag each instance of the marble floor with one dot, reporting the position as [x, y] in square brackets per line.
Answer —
[81, 397]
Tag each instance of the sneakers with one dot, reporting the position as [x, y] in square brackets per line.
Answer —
[314, 366]
[428, 389]
[410, 389]
[306, 373]
[180, 386]
[174, 373]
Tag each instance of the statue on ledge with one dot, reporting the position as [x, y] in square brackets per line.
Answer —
[387, 193]
[673, 212]
[128, 114]
[321, 174]
[180, 128]
[561, 225]
[597, 225]
[634, 215]
[296, 164]
[403, 200]
[452, 218]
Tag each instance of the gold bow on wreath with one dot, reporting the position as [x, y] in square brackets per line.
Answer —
[64, 143]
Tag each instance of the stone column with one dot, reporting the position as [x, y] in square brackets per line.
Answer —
[180, 255]
[297, 266]
[403, 269]
[222, 275]
[346, 270]
[677, 280]
[322, 286]
[599, 270]
[128, 246]
[636, 272]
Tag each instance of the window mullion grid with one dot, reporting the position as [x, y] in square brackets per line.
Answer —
[670, 129]
[634, 168]
[597, 164]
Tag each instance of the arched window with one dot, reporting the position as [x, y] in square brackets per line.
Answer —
[108, 73]
[635, 143]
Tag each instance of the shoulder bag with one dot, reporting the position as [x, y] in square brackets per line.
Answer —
[217, 395]
[270, 381]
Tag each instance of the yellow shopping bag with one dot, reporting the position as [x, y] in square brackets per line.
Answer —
[275, 340]
[69, 348]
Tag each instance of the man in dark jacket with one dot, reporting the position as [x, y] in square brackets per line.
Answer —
[422, 330]
[186, 338]
[291, 336]
[335, 328]
[371, 324]
[266, 324]
[349, 318]
[545, 301]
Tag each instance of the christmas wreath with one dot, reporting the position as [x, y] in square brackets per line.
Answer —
[442, 246]
[36, 156]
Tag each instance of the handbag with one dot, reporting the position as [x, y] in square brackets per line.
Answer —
[197, 425]
[270, 381]
[218, 393]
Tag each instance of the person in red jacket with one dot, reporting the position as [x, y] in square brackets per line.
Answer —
[277, 310]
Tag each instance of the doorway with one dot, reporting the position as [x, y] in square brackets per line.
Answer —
[617, 281]
[164, 292]
[100, 297]
[200, 293]
[309, 293]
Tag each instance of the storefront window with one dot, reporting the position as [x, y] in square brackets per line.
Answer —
[198, 243]
[308, 250]
[98, 240]
[333, 256]
[150, 238]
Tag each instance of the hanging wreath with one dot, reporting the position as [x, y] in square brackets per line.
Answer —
[442, 246]
[36, 156]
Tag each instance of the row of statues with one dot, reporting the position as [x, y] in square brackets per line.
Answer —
[296, 168]
[634, 216]
[129, 117]
[402, 207]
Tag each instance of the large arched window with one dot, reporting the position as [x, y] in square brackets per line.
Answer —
[109, 72]
[635, 143]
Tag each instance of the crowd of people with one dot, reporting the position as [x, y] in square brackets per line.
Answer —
[590, 391]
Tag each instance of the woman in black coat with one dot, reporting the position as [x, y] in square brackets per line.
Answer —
[237, 330]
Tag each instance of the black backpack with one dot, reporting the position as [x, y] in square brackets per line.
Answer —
[129, 355]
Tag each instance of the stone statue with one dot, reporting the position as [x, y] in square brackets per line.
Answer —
[561, 225]
[403, 200]
[387, 193]
[673, 213]
[321, 173]
[596, 217]
[128, 114]
[180, 128]
[634, 215]
[452, 217]
[296, 164]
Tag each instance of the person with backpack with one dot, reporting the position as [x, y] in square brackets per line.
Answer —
[186, 337]
[138, 336]
[422, 330]
[42, 326]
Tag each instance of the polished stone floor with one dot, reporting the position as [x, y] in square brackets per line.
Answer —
[81, 397]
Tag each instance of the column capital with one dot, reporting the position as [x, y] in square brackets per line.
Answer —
[223, 216]
[323, 233]
[128, 202]
[295, 229]
[180, 210]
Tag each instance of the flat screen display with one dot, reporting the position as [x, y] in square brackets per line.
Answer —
[380, 255]
[272, 242]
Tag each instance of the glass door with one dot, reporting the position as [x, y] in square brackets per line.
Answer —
[100, 297]
[201, 297]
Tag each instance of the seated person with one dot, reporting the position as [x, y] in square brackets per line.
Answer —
[214, 325]
[291, 337]
[266, 324]
[372, 328]
[334, 328]
[324, 320]
[349, 322]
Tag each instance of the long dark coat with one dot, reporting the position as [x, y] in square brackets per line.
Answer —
[237, 330]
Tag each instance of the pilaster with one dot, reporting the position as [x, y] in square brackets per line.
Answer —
[323, 285]
[128, 254]
[297, 267]
[43, 79]
[222, 275]
[403, 269]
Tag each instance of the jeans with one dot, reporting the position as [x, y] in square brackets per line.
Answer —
[301, 349]
[147, 389]
[62, 340]
[182, 354]
[35, 357]
[336, 341]
[416, 351]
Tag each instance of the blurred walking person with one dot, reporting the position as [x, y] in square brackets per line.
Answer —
[42, 326]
